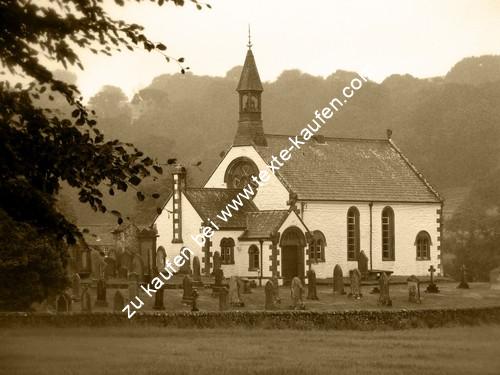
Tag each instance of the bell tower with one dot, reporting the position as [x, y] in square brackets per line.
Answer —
[250, 129]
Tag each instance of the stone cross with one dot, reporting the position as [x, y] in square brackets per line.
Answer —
[101, 294]
[159, 297]
[118, 302]
[355, 281]
[311, 285]
[296, 291]
[338, 280]
[384, 298]
[270, 299]
[463, 278]
[432, 287]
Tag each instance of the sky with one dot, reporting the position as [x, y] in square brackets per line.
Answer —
[424, 38]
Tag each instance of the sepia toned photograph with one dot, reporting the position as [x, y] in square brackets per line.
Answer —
[249, 187]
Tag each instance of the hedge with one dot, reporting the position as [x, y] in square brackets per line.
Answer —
[352, 319]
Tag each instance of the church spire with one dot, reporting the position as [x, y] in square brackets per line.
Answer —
[250, 129]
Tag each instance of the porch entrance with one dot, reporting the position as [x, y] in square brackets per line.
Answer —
[292, 254]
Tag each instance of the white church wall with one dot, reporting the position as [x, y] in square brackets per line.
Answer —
[331, 219]
[272, 196]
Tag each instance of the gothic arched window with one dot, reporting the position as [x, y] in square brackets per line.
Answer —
[388, 234]
[317, 247]
[227, 250]
[253, 258]
[423, 245]
[352, 233]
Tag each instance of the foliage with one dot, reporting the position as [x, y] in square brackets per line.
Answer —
[31, 265]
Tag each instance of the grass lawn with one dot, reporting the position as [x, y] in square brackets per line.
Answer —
[151, 351]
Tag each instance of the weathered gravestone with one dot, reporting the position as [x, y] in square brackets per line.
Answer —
[76, 287]
[223, 305]
[109, 268]
[355, 281]
[159, 299]
[234, 292]
[363, 264]
[118, 302]
[63, 303]
[276, 286]
[414, 289]
[86, 303]
[187, 287]
[245, 285]
[217, 262]
[133, 285]
[296, 291]
[432, 287]
[101, 294]
[338, 280]
[463, 278]
[384, 299]
[495, 278]
[194, 298]
[219, 278]
[196, 270]
[270, 299]
[311, 285]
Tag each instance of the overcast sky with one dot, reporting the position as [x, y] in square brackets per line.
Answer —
[376, 38]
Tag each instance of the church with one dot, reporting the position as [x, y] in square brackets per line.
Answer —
[336, 200]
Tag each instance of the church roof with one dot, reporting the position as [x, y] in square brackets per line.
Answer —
[249, 79]
[209, 202]
[349, 170]
[261, 224]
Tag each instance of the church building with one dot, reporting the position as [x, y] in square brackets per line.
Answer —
[334, 201]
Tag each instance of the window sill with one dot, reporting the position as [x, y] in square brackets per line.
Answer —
[423, 259]
[253, 270]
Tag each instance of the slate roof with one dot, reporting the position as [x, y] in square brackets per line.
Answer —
[261, 224]
[209, 202]
[249, 79]
[349, 170]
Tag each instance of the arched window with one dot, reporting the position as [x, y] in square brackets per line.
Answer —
[388, 234]
[423, 244]
[352, 233]
[161, 256]
[253, 258]
[227, 250]
[317, 247]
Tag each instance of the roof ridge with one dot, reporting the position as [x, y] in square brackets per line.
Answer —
[333, 138]
[213, 188]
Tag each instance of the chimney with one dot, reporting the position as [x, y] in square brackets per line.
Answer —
[179, 186]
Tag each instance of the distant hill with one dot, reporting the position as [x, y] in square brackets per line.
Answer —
[448, 126]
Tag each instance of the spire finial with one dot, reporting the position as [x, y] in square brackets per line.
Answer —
[249, 45]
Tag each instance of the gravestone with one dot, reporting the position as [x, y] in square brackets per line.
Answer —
[187, 287]
[311, 285]
[194, 300]
[245, 285]
[276, 287]
[217, 262]
[219, 278]
[296, 291]
[76, 287]
[63, 303]
[234, 292]
[101, 294]
[355, 281]
[118, 302]
[495, 278]
[159, 298]
[432, 287]
[463, 278]
[86, 304]
[363, 264]
[414, 289]
[384, 299]
[109, 268]
[338, 280]
[196, 270]
[223, 305]
[133, 285]
[270, 297]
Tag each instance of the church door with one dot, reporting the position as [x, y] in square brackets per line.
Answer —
[292, 254]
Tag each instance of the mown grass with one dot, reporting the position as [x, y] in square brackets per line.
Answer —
[154, 351]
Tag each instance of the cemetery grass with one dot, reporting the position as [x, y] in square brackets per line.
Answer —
[148, 350]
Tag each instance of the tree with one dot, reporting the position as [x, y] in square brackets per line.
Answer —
[41, 149]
